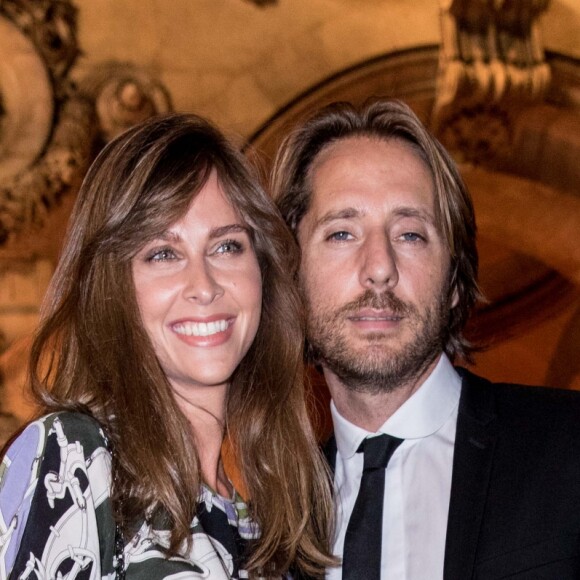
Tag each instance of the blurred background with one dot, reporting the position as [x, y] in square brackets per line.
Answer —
[497, 81]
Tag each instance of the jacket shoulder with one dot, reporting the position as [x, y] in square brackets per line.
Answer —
[540, 405]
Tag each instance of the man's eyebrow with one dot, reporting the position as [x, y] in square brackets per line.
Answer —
[351, 212]
[414, 212]
[229, 229]
[341, 214]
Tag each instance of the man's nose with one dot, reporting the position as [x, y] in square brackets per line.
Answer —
[378, 263]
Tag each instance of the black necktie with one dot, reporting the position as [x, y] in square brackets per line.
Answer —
[362, 543]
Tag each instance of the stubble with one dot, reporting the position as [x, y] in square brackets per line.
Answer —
[378, 363]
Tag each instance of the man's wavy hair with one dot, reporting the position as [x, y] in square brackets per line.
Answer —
[92, 353]
[389, 119]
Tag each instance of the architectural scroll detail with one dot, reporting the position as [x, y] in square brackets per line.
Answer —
[49, 127]
[51, 26]
[491, 57]
[123, 95]
[26, 198]
[263, 3]
[43, 129]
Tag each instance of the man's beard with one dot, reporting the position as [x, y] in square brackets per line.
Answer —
[378, 367]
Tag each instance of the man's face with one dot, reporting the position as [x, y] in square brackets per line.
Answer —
[374, 265]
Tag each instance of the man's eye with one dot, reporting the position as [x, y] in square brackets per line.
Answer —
[163, 255]
[229, 247]
[412, 237]
[339, 236]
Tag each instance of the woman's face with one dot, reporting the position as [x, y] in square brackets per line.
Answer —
[199, 292]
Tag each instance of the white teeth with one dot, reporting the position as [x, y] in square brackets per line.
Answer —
[200, 328]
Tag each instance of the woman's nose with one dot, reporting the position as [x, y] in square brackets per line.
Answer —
[201, 284]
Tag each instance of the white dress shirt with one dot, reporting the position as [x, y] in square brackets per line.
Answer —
[417, 479]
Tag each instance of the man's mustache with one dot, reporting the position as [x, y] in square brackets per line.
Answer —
[384, 301]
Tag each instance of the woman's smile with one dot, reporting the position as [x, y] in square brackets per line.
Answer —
[202, 328]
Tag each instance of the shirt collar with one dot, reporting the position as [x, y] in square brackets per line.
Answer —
[421, 415]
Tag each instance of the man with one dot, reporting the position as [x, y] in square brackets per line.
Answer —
[481, 480]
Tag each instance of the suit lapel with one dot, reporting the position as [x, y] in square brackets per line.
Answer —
[472, 461]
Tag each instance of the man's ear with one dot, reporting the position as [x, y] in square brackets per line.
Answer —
[454, 297]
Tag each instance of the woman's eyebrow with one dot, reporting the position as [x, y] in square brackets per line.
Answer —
[169, 236]
[229, 229]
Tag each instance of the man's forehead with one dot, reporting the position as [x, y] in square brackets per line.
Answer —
[342, 147]
[345, 145]
[355, 166]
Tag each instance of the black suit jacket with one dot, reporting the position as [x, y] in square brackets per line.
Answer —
[515, 489]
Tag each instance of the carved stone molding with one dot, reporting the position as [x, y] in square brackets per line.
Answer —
[491, 59]
[263, 3]
[43, 129]
[49, 128]
[51, 26]
[26, 101]
[123, 95]
[478, 134]
[26, 199]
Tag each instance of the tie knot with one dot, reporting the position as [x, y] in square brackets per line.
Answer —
[378, 450]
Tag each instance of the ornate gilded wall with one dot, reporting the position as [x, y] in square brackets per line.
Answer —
[498, 81]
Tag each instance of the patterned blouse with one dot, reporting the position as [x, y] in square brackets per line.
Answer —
[56, 519]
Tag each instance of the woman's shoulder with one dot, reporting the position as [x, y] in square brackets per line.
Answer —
[49, 434]
[54, 482]
[73, 421]
[77, 427]
[74, 424]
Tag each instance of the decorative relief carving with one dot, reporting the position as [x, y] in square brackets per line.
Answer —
[30, 195]
[51, 26]
[26, 101]
[478, 134]
[48, 126]
[491, 57]
[123, 95]
[49, 130]
[43, 134]
[262, 3]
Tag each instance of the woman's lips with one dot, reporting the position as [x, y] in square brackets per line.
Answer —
[211, 331]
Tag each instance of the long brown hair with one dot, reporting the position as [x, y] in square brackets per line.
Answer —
[92, 353]
[389, 119]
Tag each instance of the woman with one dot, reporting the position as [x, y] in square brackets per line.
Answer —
[171, 324]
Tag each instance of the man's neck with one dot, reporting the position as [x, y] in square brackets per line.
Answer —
[370, 410]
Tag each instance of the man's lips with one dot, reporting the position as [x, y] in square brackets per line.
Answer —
[370, 315]
[375, 321]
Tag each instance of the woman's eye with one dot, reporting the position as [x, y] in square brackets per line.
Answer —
[163, 255]
[339, 236]
[229, 247]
